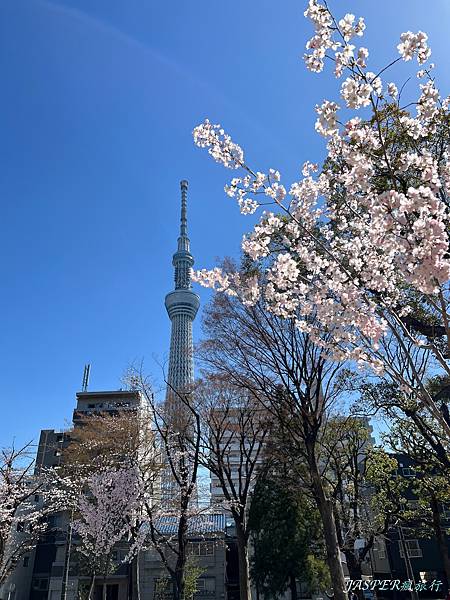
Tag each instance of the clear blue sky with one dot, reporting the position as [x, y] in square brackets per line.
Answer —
[98, 100]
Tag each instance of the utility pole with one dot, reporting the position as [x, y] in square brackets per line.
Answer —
[65, 580]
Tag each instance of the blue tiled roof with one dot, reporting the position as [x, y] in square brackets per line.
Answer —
[201, 524]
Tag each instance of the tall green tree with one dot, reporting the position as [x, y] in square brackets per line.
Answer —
[285, 529]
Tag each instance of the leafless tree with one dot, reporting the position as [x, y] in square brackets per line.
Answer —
[171, 498]
[235, 429]
[294, 381]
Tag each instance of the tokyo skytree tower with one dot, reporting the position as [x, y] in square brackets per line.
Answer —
[182, 305]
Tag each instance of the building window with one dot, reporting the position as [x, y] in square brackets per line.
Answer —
[408, 472]
[151, 554]
[40, 583]
[52, 521]
[112, 591]
[201, 548]
[412, 548]
[380, 549]
[26, 561]
[206, 586]
[445, 512]
[36, 497]
[123, 555]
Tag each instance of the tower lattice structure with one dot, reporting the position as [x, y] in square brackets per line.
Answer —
[182, 305]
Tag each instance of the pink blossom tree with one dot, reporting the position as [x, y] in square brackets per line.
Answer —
[26, 499]
[108, 507]
[105, 450]
[357, 254]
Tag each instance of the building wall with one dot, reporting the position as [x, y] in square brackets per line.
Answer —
[211, 581]
[18, 585]
[51, 444]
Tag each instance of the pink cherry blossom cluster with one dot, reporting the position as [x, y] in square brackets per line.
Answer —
[339, 253]
[414, 44]
[327, 124]
[324, 38]
[107, 507]
[219, 145]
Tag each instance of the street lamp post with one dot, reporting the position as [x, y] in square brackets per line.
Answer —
[65, 580]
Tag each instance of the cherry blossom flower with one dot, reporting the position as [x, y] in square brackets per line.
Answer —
[219, 145]
[248, 206]
[427, 104]
[413, 127]
[326, 124]
[26, 500]
[356, 93]
[107, 507]
[414, 44]
[348, 27]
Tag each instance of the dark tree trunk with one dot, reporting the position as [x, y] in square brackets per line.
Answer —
[135, 584]
[130, 581]
[325, 507]
[179, 578]
[441, 539]
[244, 565]
[293, 587]
[354, 570]
[178, 588]
[138, 579]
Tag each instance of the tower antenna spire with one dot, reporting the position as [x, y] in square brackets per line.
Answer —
[86, 373]
[183, 240]
[183, 226]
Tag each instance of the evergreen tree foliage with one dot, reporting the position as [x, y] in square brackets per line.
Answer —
[285, 531]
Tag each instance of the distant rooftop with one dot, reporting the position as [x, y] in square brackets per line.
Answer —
[201, 524]
[130, 393]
